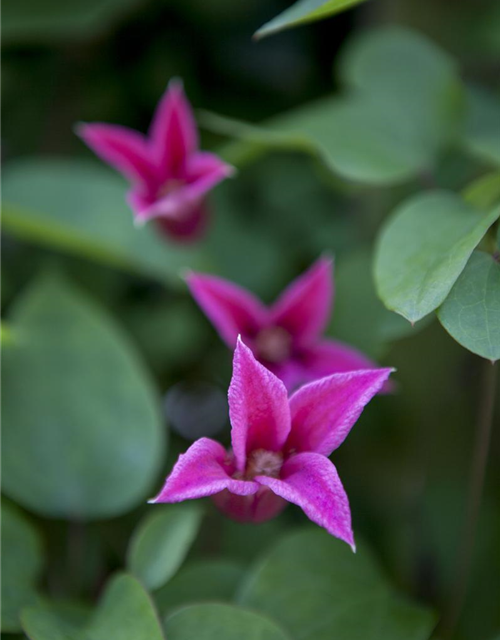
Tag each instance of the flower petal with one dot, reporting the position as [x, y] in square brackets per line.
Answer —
[122, 148]
[323, 412]
[330, 356]
[303, 308]
[190, 228]
[258, 407]
[202, 471]
[311, 481]
[231, 309]
[173, 131]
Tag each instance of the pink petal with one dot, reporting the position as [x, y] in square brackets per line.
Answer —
[258, 507]
[173, 131]
[123, 149]
[206, 168]
[304, 307]
[311, 481]
[323, 412]
[189, 229]
[258, 407]
[202, 471]
[231, 309]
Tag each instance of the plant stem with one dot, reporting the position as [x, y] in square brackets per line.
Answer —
[473, 506]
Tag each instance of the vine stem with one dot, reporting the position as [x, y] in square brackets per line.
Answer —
[473, 506]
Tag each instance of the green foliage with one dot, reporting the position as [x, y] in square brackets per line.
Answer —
[125, 612]
[471, 312]
[201, 581]
[79, 207]
[484, 192]
[304, 11]
[221, 622]
[482, 131]
[21, 566]
[422, 249]
[162, 541]
[402, 105]
[82, 436]
[317, 588]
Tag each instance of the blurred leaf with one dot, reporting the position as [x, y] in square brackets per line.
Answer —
[79, 207]
[422, 249]
[33, 21]
[359, 317]
[125, 612]
[304, 11]
[482, 131]
[21, 566]
[161, 542]
[404, 104]
[471, 312]
[82, 436]
[484, 192]
[220, 622]
[316, 587]
[204, 580]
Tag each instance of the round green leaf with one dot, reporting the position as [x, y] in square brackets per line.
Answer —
[304, 11]
[125, 612]
[422, 249]
[82, 434]
[21, 566]
[201, 581]
[221, 622]
[471, 312]
[316, 588]
[79, 207]
[162, 541]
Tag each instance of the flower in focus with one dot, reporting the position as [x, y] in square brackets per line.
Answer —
[169, 176]
[280, 447]
[286, 337]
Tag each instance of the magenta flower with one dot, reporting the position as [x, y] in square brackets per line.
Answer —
[279, 447]
[169, 176]
[285, 337]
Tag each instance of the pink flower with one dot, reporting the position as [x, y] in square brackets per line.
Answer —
[285, 337]
[279, 447]
[169, 176]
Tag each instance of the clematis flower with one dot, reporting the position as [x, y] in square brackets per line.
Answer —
[169, 176]
[285, 337]
[280, 447]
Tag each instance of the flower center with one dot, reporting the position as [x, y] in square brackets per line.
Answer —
[170, 186]
[274, 344]
[263, 463]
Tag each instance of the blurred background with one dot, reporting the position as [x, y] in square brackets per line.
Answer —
[406, 463]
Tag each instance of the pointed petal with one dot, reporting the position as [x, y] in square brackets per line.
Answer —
[207, 168]
[303, 308]
[258, 407]
[202, 471]
[123, 149]
[311, 481]
[189, 229]
[323, 412]
[231, 309]
[173, 131]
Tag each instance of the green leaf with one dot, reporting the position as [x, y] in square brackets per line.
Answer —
[359, 318]
[82, 434]
[221, 622]
[471, 312]
[204, 580]
[79, 207]
[484, 192]
[125, 612]
[422, 249]
[33, 21]
[482, 131]
[21, 566]
[304, 11]
[162, 541]
[317, 588]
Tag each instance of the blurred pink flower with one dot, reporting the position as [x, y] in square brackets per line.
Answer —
[285, 337]
[169, 176]
[279, 447]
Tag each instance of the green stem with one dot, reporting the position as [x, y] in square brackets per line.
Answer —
[473, 506]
